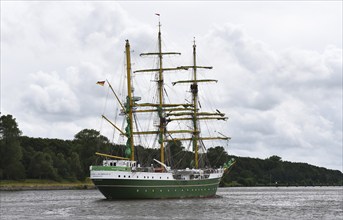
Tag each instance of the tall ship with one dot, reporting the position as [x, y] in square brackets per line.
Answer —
[124, 177]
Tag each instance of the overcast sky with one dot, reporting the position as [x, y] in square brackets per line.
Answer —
[279, 66]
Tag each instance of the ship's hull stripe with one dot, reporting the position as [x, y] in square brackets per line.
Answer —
[144, 186]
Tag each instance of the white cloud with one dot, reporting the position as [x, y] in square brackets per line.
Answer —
[49, 94]
[282, 100]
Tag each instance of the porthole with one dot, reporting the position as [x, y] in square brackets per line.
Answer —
[118, 175]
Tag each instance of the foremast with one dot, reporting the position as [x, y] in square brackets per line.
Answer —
[126, 108]
[130, 148]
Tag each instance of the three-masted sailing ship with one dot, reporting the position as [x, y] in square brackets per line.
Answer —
[124, 178]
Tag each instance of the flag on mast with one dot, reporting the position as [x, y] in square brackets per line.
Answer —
[101, 83]
[157, 14]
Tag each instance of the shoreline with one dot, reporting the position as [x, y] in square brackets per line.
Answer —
[41, 184]
[47, 187]
[44, 185]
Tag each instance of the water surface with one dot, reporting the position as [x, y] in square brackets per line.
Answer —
[231, 203]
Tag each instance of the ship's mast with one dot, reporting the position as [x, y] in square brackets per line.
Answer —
[126, 109]
[194, 90]
[196, 115]
[161, 106]
[160, 94]
[129, 102]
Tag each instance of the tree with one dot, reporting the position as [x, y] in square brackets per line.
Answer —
[275, 158]
[41, 167]
[75, 166]
[217, 156]
[61, 165]
[88, 142]
[11, 166]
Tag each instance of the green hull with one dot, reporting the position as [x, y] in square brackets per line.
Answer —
[156, 189]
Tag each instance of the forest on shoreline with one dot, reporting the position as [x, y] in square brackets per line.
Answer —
[23, 157]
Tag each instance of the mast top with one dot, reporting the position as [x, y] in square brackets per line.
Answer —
[159, 23]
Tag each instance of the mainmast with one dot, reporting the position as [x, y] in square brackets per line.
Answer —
[161, 106]
[160, 92]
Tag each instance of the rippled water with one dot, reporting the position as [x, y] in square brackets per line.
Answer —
[232, 203]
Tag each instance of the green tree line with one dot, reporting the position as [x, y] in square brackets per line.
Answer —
[23, 157]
